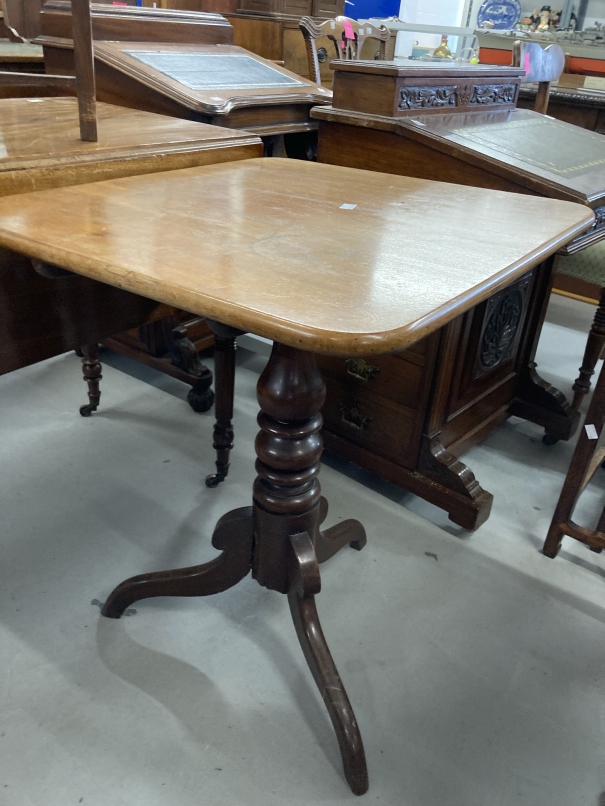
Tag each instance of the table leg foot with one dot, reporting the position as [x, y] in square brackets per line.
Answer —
[304, 584]
[91, 369]
[233, 534]
[330, 541]
[224, 383]
[552, 544]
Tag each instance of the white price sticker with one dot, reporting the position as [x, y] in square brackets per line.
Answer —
[591, 431]
[348, 206]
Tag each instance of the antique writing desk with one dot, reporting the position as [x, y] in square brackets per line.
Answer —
[275, 253]
[457, 125]
[178, 76]
[40, 148]
[219, 84]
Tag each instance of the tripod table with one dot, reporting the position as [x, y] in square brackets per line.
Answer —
[319, 259]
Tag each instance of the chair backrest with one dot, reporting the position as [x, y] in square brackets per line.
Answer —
[541, 65]
[83, 85]
[21, 17]
[346, 37]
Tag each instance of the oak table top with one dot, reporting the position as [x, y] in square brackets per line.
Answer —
[271, 246]
[40, 145]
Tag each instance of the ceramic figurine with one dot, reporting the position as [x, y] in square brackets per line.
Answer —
[544, 19]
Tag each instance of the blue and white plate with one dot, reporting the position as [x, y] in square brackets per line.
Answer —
[504, 14]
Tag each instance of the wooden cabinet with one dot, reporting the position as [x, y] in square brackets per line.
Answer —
[379, 403]
[409, 416]
[455, 126]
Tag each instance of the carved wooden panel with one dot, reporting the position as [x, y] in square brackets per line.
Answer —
[456, 95]
[502, 319]
[426, 97]
[492, 94]
[485, 352]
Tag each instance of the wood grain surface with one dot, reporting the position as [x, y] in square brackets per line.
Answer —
[266, 246]
[41, 146]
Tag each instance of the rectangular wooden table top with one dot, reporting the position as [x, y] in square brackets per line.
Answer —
[44, 132]
[319, 257]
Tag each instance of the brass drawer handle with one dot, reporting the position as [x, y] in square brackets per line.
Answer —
[353, 417]
[358, 368]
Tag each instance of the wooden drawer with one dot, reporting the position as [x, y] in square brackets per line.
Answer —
[395, 377]
[384, 427]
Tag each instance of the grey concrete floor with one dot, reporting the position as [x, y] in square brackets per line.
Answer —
[474, 664]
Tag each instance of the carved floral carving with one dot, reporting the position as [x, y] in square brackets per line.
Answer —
[502, 320]
[486, 94]
[426, 97]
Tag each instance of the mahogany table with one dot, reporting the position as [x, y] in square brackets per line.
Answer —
[312, 258]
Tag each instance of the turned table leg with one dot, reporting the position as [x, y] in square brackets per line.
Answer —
[288, 510]
[279, 536]
[224, 383]
[592, 353]
[91, 369]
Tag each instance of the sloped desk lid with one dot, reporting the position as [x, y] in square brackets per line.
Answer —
[211, 79]
[566, 160]
[535, 151]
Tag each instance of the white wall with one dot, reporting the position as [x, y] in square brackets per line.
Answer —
[595, 13]
[430, 12]
[434, 12]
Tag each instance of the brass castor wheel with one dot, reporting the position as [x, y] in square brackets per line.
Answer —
[88, 409]
[214, 479]
[200, 401]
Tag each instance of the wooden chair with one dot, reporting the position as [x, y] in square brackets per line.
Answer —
[83, 84]
[586, 460]
[346, 38]
[544, 65]
[541, 65]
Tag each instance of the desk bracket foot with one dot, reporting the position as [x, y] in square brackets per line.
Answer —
[233, 534]
[541, 403]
